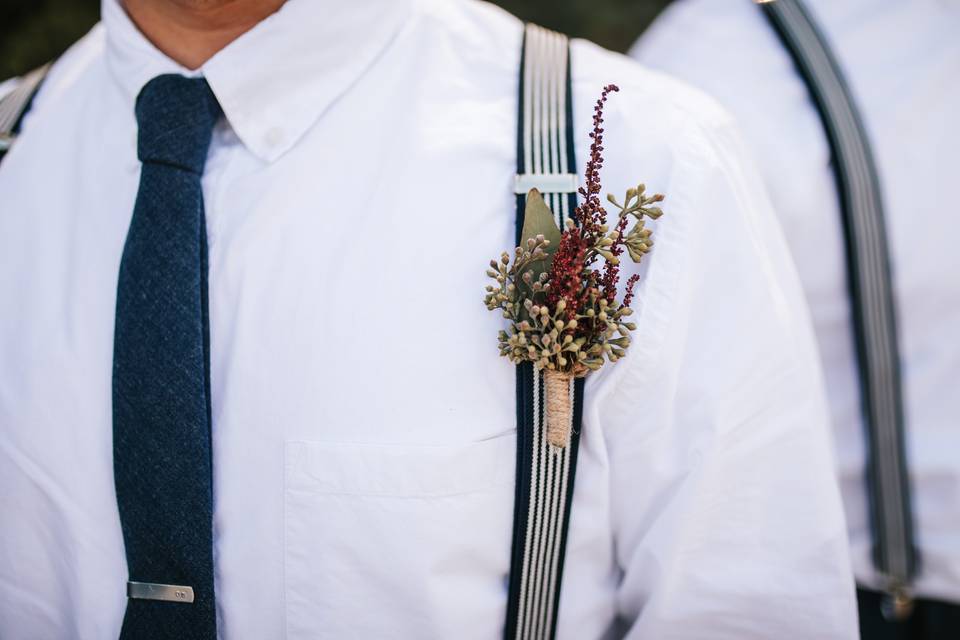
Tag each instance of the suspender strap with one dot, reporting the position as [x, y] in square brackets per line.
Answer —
[545, 474]
[871, 293]
[15, 105]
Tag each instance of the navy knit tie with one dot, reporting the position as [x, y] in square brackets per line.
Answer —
[161, 384]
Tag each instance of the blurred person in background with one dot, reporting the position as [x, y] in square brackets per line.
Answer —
[900, 64]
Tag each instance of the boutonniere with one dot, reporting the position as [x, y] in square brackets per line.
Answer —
[559, 291]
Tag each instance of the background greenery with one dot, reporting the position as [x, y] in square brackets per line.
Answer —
[35, 31]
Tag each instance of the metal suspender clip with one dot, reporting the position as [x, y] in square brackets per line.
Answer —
[545, 183]
[897, 601]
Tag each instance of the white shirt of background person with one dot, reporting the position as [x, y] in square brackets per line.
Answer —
[902, 61]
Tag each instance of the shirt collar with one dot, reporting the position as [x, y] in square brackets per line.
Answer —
[276, 80]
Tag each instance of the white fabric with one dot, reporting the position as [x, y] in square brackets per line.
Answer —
[902, 60]
[363, 423]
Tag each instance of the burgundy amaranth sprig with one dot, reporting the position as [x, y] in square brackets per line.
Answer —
[590, 215]
[563, 312]
[573, 255]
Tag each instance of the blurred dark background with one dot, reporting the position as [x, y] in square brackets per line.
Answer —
[35, 31]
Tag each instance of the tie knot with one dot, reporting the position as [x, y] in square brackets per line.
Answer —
[175, 118]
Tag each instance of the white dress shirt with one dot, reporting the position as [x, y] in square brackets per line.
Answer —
[363, 422]
[902, 61]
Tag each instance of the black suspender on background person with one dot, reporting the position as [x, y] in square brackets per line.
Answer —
[871, 297]
[545, 475]
[14, 106]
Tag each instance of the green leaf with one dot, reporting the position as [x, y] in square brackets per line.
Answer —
[538, 220]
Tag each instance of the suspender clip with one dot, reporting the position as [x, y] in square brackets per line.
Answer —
[545, 183]
[897, 602]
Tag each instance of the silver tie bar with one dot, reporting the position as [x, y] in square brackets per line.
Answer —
[165, 592]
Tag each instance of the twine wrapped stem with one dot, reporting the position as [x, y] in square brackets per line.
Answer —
[559, 409]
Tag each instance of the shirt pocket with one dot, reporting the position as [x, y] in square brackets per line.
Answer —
[397, 541]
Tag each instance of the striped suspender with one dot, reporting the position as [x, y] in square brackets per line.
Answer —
[871, 294]
[545, 475]
[15, 105]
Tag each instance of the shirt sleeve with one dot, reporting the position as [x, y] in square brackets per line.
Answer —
[731, 52]
[726, 516]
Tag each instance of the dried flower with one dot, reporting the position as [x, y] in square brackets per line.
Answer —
[563, 312]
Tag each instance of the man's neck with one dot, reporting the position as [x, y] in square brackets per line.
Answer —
[192, 31]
